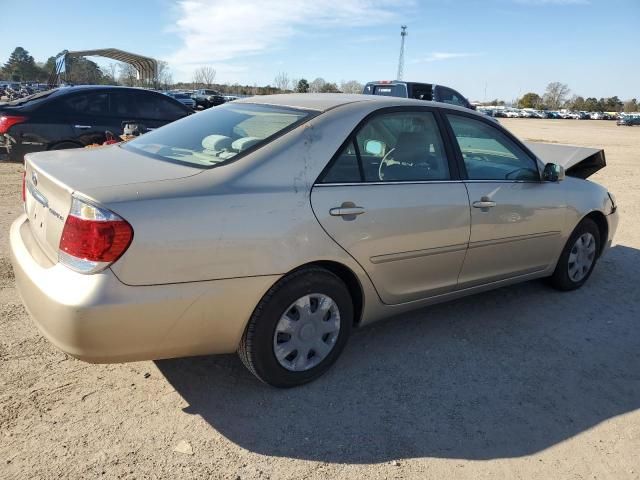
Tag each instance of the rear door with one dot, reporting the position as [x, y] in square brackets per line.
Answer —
[87, 114]
[148, 109]
[516, 219]
[392, 199]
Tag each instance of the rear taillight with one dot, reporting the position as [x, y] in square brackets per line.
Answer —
[93, 238]
[24, 186]
[8, 121]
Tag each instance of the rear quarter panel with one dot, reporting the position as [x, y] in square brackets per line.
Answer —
[248, 218]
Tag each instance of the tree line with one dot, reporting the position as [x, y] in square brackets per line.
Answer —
[558, 95]
[21, 67]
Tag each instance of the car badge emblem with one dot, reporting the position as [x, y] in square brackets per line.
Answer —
[34, 178]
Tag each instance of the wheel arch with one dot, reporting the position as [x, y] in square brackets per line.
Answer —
[53, 146]
[603, 227]
[350, 279]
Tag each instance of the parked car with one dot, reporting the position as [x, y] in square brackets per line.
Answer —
[628, 120]
[274, 225]
[208, 98]
[419, 91]
[183, 98]
[73, 117]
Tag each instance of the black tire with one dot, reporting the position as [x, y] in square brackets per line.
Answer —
[256, 347]
[65, 146]
[560, 278]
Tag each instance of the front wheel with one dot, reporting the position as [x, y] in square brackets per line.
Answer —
[298, 329]
[578, 258]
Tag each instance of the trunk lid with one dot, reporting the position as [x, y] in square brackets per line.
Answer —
[51, 178]
[580, 162]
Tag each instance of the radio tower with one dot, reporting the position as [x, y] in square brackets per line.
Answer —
[403, 33]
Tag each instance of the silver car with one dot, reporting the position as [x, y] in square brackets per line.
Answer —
[274, 225]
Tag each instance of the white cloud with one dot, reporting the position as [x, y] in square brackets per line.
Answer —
[222, 32]
[437, 56]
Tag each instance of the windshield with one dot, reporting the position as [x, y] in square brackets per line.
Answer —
[217, 135]
[180, 95]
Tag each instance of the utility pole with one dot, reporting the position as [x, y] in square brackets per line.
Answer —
[403, 33]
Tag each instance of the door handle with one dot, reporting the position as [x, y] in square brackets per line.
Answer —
[346, 211]
[82, 127]
[484, 203]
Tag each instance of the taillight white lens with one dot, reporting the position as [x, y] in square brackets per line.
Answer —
[93, 238]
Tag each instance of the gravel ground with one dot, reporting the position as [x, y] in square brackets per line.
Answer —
[522, 382]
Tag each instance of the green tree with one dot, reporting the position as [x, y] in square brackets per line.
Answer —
[329, 88]
[631, 106]
[303, 86]
[21, 67]
[576, 103]
[613, 104]
[591, 104]
[530, 100]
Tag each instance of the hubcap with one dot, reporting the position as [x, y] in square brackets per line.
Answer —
[306, 332]
[582, 256]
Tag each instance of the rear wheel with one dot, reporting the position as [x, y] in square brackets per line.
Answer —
[578, 258]
[65, 145]
[298, 329]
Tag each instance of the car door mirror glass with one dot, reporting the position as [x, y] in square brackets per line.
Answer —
[553, 172]
[374, 147]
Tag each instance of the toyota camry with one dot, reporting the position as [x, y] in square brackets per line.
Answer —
[273, 226]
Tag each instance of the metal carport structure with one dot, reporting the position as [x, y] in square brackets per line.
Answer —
[146, 67]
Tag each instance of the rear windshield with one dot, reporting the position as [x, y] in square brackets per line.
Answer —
[218, 135]
[398, 90]
[30, 98]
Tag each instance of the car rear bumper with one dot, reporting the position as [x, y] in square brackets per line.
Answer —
[99, 319]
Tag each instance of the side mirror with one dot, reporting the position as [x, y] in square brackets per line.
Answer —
[374, 147]
[553, 173]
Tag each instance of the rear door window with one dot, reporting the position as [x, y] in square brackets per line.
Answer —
[91, 103]
[422, 91]
[447, 95]
[157, 107]
[393, 147]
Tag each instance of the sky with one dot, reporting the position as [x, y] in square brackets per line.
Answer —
[486, 49]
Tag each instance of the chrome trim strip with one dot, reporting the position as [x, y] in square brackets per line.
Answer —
[517, 238]
[360, 184]
[504, 181]
[392, 257]
[37, 196]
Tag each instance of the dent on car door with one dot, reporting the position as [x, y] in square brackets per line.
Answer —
[389, 200]
[516, 219]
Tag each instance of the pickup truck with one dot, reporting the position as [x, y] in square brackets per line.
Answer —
[420, 91]
[207, 98]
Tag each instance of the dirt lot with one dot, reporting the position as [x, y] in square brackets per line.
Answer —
[523, 382]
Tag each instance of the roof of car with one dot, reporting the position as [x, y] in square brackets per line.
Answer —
[325, 101]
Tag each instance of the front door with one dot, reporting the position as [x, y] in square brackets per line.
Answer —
[390, 200]
[516, 219]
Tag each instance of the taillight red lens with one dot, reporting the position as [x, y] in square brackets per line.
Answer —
[94, 240]
[24, 186]
[8, 121]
